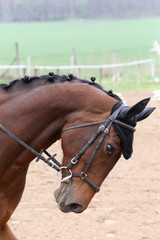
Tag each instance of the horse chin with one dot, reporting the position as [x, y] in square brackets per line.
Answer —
[66, 201]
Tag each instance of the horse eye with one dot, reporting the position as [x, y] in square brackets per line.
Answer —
[110, 149]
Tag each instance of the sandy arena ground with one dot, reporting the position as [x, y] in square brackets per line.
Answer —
[126, 208]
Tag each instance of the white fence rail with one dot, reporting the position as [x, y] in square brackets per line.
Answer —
[27, 69]
[13, 67]
[97, 66]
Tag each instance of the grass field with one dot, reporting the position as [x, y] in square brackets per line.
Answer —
[51, 43]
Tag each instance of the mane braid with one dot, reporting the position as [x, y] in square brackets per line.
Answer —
[52, 78]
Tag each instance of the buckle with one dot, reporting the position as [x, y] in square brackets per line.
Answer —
[83, 175]
[101, 128]
[106, 130]
[73, 161]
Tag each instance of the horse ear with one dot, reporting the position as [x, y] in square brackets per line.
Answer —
[129, 112]
[145, 113]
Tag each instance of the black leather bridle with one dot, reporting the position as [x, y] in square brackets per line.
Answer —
[53, 163]
[104, 129]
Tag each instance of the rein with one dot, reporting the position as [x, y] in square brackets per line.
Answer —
[53, 163]
[50, 161]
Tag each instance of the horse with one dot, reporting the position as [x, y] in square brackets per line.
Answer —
[94, 125]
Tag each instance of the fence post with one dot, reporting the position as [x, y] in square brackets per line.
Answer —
[100, 75]
[115, 70]
[153, 70]
[57, 71]
[29, 65]
[118, 77]
[24, 71]
[35, 71]
[17, 58]
[79, 72]
[138, 73]
[73, 59]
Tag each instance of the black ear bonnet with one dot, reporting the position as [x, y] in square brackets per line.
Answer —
[130, 115]
[125, 135]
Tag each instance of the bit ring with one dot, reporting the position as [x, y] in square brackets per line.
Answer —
[65, 178]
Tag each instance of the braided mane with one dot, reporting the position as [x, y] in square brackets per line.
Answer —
[51, 78]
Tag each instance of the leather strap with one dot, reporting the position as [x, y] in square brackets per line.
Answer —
[39, 155]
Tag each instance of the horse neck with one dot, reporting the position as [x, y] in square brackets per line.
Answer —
[30, 114]
[37, 116]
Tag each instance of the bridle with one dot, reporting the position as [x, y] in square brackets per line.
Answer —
[53, 163]
[104, 129]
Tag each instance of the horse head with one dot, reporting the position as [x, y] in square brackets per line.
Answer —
[100, 145]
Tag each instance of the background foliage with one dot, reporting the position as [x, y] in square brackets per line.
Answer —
[49, 10]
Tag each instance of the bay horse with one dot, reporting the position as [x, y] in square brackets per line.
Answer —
[95, 128]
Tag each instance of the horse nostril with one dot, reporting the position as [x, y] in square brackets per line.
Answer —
[75, 207]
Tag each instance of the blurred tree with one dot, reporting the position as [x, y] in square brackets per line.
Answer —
[81, 7]
[48, 10]
[6, 10]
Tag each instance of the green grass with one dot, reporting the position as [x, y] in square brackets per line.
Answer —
[131, 85]
[51, 43]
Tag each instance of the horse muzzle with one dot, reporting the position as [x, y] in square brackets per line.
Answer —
[65, 199]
